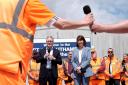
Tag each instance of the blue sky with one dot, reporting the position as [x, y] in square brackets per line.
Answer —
[105, 11]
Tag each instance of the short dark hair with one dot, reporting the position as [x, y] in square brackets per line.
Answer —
[80, 37]
[110, 48]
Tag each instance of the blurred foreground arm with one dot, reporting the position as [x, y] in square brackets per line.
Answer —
[65, 24]
[121, 27]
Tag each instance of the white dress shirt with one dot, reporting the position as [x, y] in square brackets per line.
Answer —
[80, 55]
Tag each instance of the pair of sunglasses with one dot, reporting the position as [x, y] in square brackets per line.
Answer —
[110, 51]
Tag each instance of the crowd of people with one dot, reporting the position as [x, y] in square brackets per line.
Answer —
[82, 66]
[18, 21]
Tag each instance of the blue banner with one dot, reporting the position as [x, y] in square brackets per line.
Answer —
[63, 45]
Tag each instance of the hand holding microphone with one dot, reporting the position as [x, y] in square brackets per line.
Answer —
[48, 56]
[87, 10]
[47, 53]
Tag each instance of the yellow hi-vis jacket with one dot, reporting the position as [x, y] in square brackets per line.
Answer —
[34, 71]
[96, 65]
[18, 20]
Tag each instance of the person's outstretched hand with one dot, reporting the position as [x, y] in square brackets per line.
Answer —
[88, 20]
[96, 27]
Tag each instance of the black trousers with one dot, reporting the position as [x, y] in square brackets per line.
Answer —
[113, 82]
[49, 78]
[122, 82]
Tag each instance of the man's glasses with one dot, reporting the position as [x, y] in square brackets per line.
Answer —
[110, 51]
[92, 52]
[50, 41]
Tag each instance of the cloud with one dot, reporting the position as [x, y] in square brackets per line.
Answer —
[118, 8]
[105, 11]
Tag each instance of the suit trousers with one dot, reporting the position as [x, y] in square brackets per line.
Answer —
[112, 81]
[48, 79]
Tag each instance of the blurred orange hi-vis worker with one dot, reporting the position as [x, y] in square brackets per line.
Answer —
[33, 74]
[61, 75]
[115, 68]
[18, 20]
[124, 74]
[98, 78]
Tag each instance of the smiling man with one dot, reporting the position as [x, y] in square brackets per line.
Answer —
[49, 57]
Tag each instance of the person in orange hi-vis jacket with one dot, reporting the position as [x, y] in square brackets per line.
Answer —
[112, 69]
[124, 72]
[18, 20]
[61, 75]
[98, 67]
[33, 73]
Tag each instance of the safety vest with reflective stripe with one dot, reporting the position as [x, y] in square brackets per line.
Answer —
[15, 38]
[116, 67]
[95, 66]
[34, 71]
[123, 75]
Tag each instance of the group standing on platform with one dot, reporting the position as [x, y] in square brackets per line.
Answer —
[82, 66]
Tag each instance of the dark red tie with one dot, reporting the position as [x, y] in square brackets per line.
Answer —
[70, 67]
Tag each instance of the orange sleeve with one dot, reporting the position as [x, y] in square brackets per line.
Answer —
[37, 12]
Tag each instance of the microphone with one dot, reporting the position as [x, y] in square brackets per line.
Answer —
[49, 50]
[87, 10]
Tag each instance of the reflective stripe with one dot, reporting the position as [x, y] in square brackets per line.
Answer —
[17, 12]
[16, 30]
[13, 27]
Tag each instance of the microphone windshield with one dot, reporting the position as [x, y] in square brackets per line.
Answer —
[86, 9]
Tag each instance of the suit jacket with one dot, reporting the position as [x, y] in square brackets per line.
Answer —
[43, 61]
[85, 62]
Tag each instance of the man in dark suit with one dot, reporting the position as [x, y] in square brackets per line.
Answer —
[49, 57]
